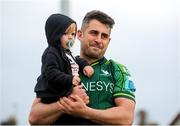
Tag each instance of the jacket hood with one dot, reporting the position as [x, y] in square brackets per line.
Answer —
[55, 26]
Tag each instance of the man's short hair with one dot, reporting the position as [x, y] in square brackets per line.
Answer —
[98, 15]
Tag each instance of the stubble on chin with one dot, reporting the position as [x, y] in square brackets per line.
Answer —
[95, 54]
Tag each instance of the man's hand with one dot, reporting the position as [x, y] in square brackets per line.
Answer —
[77, 107]
[80, 91]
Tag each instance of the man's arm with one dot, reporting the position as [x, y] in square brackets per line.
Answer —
[41, 113]
[123, 113]
[44, 113]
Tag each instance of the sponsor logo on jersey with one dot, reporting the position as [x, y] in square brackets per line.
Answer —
[105, 73]
[99, 86]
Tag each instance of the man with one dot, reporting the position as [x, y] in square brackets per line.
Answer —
[110, 89]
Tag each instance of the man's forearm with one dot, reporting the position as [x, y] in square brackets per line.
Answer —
[122, 114]
[115, 115]
[44, 113]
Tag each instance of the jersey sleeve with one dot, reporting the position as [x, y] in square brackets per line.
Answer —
[124, 85]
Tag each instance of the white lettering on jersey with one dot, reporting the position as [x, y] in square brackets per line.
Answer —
[99, 86]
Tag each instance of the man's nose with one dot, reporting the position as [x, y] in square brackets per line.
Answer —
[98, 39]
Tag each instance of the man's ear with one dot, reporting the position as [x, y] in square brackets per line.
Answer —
[79, 34]
[109, 40]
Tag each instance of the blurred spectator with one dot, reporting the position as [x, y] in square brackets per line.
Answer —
[143, 118]
[176, 120]
[10, 121]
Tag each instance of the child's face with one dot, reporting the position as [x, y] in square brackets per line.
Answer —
[67, 39]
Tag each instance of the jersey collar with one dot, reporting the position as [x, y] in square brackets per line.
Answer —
[100, 61]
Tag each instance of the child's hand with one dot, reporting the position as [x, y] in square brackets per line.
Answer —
[88, 71]
[80, 91]
[76, 80]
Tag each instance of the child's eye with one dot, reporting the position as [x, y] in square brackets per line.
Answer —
[73, 34]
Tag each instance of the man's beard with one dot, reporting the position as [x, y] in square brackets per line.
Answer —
[93, 54]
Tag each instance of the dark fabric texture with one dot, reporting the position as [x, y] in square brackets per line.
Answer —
[70, 120]
[56, 76]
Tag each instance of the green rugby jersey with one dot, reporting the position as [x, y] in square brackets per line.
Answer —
[110, 80]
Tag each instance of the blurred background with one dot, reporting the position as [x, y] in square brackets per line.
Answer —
[146, 38]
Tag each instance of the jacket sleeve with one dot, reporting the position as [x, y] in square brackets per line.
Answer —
[81, 62]
[58, 81]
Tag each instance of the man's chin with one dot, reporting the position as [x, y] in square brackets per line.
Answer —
[95, 55]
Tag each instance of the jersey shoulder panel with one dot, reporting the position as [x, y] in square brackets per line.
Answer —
[124, 85]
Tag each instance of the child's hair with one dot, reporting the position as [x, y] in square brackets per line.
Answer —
[71, 28]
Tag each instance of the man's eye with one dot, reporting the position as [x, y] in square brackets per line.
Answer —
[105, 36]
[94, 32]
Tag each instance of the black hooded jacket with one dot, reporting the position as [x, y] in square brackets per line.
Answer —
[56, 76]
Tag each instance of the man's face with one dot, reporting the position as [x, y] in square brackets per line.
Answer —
[94, 40]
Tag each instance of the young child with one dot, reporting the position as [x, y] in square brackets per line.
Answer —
[59, 70]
